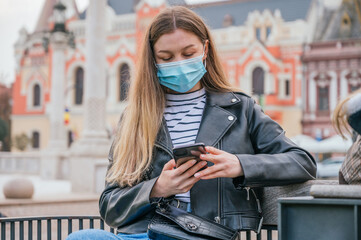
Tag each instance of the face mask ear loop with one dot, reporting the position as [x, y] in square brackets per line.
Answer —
[205, 62]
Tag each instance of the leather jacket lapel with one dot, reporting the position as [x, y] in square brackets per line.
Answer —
[216, 120]
[163, 138]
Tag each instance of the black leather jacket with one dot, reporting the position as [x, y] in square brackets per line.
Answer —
[234, 123]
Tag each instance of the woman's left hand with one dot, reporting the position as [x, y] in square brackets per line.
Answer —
[225, 165]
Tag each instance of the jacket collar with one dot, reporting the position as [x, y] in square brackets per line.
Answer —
[215, 121]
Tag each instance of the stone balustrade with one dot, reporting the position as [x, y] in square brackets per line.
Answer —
[20, 162]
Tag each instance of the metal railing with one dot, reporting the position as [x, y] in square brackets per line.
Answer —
[59, 227]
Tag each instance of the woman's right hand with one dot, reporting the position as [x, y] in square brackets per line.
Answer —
[173, 180]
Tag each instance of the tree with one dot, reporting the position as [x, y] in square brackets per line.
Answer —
[3, 132]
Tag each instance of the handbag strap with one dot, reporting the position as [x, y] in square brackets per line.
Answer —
[196, 224]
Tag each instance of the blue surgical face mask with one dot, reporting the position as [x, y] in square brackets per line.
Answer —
[183, 75]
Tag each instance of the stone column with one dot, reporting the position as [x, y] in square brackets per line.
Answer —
[52, 156]
[89, 154]
[57, 140]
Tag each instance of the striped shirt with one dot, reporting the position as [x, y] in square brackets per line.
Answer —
[183, 114]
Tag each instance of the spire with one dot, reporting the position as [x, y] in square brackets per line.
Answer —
[43, 21]
[47, 12]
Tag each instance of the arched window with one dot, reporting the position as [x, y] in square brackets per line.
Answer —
[79, 86]
[36, 95]
[124, 81]
[323, 98]
[258, 81]
[35, 139]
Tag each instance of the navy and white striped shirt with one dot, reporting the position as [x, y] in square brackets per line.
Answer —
[183, 114]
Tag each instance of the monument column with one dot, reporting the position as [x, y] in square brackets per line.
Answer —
[57, 141]
[89, 154]
[57, 146]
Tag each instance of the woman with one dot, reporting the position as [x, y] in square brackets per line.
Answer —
[347, 120]
[181, 95]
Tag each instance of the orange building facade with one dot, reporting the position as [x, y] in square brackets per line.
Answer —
[260, 50]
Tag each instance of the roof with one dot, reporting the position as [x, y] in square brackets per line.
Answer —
[213, 13]
[47, 11]
[119, 7]
[331, 26]
[127, 6]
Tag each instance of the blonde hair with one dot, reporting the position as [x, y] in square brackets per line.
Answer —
[340, 116]
[142, 118]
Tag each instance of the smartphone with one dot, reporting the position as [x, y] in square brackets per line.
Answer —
[187, 152]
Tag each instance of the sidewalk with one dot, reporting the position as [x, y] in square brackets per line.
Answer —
[51, 197]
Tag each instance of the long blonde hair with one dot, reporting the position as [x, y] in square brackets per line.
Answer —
[339, 116]
[142, 118]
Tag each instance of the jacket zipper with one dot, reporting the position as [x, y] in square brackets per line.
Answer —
[218, 217]
[247, 189]
[255, 196]
[219, 193]
[258, 202]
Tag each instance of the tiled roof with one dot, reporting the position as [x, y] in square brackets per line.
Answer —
[214, 13]
[127, 6]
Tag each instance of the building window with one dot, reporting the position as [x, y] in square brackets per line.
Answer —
[36, 95]
[323, 98]
[354, 81]
[258, 33]
[35, 139]
[70, 138]
[79, 86]
[287, 88]
[268, 31]
[124, 81]
[258, 81]
[354, 87]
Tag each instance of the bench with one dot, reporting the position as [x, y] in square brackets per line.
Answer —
[58, 227]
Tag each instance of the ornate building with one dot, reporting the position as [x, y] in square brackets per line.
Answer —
[332, 63]
[260, 43]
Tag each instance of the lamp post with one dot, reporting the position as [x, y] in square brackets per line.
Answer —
[59, 39]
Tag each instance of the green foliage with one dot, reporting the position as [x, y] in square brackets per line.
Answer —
[21, 141]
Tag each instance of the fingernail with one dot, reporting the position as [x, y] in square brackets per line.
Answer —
[202, 155]
[194, 162]
[197, 175]
[204, 163]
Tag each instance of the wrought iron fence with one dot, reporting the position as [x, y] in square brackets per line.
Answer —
[59, 227]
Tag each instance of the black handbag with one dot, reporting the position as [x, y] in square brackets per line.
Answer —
[170, 222]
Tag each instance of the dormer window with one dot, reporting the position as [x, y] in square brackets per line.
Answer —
[258, 33]
[268, 31]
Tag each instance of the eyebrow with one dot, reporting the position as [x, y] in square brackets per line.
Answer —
[166, 51]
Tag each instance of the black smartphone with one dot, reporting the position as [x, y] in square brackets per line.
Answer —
[187, 152]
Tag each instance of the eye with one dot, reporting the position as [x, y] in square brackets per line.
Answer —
[188, 54]
[166, 59]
